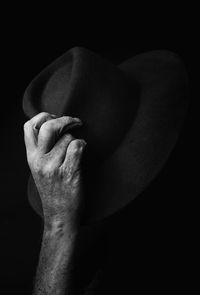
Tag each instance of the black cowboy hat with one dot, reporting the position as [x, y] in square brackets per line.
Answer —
[132, 115]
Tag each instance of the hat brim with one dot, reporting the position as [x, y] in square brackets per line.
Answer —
[163, 102]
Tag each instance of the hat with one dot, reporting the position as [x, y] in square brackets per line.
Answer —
[132, 115]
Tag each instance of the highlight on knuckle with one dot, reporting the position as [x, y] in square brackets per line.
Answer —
[26, 125]
[31, 159]
[45, 170]
[44, 113]
[68, 137]
[75, 146]
[36, 162]
[36, 165]
[47, 126]
[49, 170]
[67, 119]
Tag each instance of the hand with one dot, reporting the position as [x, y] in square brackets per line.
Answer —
[55, 166]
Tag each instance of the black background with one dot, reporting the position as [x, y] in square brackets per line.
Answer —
[162, 235]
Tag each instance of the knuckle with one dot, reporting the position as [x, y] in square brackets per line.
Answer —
[44, 170]
[47, 126]
[30, 159]
[44, 113]
[76, 146]
[48, 169]
[36, 165]
[34, 118]
[68, 137]
[26, 125]
[67, 119]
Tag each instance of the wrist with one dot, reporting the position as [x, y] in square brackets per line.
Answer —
[59, 227]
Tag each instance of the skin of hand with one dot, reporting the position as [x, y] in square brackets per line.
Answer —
[55, 166]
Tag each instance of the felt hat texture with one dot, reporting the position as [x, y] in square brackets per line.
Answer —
[132, 115]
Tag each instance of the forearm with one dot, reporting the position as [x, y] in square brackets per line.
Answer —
[54, 161]
[56, 259]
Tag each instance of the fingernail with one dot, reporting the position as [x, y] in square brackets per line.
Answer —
[76, 123]
[77, 119]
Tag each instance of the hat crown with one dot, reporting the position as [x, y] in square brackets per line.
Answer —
[82, 84]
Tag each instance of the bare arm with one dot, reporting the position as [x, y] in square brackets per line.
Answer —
[56, 259]
[55, 166]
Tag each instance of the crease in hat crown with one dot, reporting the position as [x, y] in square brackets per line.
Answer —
[81, 62]
[74, 55]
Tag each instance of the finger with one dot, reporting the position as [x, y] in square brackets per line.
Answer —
[29, 137]
[73, 156]
[51, 129]
[59, 151]
[33, 127]
[40, 118]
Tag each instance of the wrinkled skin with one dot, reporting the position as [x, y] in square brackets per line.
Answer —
[55, 165]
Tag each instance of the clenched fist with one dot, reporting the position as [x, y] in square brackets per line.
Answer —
[55, 165]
